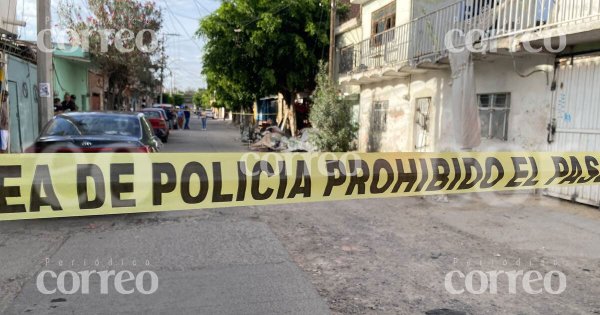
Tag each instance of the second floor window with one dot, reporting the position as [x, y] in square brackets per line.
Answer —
[383, 20]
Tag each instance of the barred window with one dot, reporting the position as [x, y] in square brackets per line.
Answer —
[380, 116]
[494, 110]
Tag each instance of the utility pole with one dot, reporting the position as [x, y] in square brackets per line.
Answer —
[44, 63]
[172, 82]
[162, 71]
[332, 40]
[163, 64]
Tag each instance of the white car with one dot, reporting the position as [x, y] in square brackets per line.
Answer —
[210, 114]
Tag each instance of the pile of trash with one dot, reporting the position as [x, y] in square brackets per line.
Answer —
[273, 139]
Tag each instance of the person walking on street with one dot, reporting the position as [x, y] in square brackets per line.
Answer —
[204, 119]
[187, 115]
[180, 118]
[170, 119]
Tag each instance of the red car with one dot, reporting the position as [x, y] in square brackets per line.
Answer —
[159, 121]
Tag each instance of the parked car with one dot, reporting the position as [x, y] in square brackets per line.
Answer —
[159, 121]
[171, 115]
[210, 114]
[80, 132]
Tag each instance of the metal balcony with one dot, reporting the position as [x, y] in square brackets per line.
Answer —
[423, 39]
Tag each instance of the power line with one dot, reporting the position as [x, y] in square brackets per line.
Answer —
[200, 5]
[181, 24]
[187, 16]
[188, 72]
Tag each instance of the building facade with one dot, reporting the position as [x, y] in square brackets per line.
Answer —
[527, 84]
[18, 77]
[97, 85]
[71, 75]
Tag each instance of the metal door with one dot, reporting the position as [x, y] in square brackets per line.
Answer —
[422, 125]
[95, 102]
[577, 118]
[22, 77]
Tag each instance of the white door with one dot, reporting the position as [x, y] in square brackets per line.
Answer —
[577, 118]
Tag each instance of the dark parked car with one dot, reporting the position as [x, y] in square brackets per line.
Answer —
[97, 132]
[159, 121]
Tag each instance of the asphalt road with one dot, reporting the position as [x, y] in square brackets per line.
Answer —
[220, 136]
[380, 256]
[205, 264]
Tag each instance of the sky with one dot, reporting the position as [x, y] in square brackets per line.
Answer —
[181, 17]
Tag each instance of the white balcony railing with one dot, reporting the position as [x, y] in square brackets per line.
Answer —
[492, 19]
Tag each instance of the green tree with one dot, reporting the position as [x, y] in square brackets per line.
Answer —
[263, 47]
[125, 70]
[167, 99]
[331, 117]
[178, 99]
[198, 99]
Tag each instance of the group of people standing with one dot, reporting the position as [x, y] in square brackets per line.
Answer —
[67, 105]
[183, 117]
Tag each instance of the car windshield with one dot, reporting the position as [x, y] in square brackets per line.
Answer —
[109, 125]
[152, 114]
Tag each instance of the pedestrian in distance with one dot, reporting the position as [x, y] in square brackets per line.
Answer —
[204, 119]
[174, 116]
[57, 106]
[170, 118]
[187, 115]
[74, 106]
[68, 105]
[180, 118]
[65, 102]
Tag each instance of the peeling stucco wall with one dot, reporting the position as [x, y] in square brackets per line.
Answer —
[531, 97]
[530, 107]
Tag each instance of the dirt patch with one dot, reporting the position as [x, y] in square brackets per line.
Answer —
[392, 256]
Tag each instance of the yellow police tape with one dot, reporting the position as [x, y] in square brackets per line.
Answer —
[66, 185]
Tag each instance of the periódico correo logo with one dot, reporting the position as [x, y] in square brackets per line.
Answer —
[124, 282]
[480, 282]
